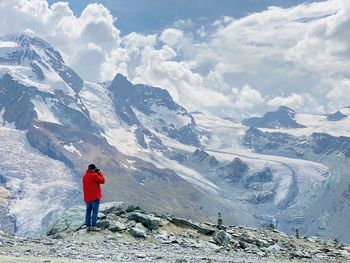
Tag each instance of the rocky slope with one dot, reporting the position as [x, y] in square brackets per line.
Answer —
[129, 234]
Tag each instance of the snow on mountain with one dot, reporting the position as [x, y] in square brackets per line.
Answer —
[41, 188]
[152, 108]
[283, 117]
[33, 62]
[292, 179]
[36, 84]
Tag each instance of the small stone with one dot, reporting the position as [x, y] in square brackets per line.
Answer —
[101, 215]
[138, 231]
[300, 254]
[261, 243]
[117, 227]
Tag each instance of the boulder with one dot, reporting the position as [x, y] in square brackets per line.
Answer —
[299, 254]
[149, 221]
[201, 228]
[101, 216]
[102, 224]
[72, 220]
[249, 238]
[138, 231]
[112, 207]
[222, 238]
[117, 227]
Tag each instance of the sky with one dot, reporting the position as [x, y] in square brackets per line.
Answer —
[234, 58]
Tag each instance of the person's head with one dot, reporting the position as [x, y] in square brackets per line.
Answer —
[92, 167]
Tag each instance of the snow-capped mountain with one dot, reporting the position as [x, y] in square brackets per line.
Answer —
[284, 117]
[153, 151]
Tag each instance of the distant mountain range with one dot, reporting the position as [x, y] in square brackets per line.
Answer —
[285, 166]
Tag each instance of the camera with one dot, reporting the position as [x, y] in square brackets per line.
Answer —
[97, 170]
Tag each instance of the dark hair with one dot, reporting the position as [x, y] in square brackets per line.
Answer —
[92, 167]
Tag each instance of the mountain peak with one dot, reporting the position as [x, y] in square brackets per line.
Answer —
[285, 109]
[283, 117]
[26, 38]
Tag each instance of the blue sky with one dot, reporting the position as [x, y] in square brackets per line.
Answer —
[149, 16]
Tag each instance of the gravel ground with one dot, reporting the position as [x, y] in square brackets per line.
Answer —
[101, 247]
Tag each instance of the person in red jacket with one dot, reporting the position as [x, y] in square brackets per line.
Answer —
[92, 180]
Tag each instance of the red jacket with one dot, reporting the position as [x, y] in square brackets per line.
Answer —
[91, 185]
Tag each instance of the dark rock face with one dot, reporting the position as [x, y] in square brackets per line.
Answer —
[15, 100]
[337, 116]
[203, 158]
[284, 117]
[320, 143]
[233, 171]
[260, 177]
[127, 96]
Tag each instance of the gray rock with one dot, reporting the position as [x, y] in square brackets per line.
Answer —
[261, 243]
[273, 249]
[72, 220]
[201, 228]
[222, 238]
[138, 231]
[102, 224]
[151, 222]
[300, 254]
[101, 215]
[112, 207]
[117, 226]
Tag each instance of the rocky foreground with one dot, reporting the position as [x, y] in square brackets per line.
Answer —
[128, 234]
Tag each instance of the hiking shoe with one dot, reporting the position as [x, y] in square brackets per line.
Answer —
[95, 228]
[88, 229]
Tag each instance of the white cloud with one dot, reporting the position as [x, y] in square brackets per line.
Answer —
[139, 40]
[302, 51]
[172, 36]
[246, 97]
[338, 94]
[299, 102]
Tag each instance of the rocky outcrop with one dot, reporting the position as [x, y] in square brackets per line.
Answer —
[149, 221]
[119, 223]
[129, 100]
[284, 117]
[233, 171]
[337, 116]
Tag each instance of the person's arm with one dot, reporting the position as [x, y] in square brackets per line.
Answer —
[99, 178]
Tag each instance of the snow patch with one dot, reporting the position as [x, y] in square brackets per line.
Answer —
[71, 148]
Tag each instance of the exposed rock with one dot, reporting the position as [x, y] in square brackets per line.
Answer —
[149, 221]
[138, 231]
[300, 254]
[117, 226]
[201, 228]
[71, 220]
[337, 116]
[102, 224]
[222, 238]
[284, 117]
[112, 207]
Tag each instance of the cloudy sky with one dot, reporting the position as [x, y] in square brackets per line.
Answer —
[234, 58]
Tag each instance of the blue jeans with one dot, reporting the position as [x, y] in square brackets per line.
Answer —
[91, 207]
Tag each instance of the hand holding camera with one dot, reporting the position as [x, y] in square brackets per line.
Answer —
[97, 170]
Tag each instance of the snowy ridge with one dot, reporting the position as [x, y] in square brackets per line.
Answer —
[40, 186]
